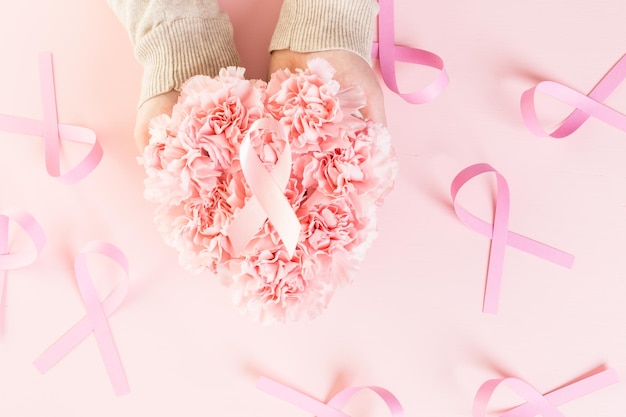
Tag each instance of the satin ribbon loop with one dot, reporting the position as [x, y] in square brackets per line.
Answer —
[499, 234]
[334, 405]
[537, 403]
[585, 105]
[388, 53]
[96, 319]
[32, 229]
[268, 201]
[52, 132]
[14, 260]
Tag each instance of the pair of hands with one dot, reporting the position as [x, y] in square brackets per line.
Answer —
[351, 70]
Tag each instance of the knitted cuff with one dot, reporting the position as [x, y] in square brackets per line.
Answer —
[174, 52]
[319, 25]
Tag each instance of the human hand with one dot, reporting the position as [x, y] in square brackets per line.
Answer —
[160, 104]
[351, 70]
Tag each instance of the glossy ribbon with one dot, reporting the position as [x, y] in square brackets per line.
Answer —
[8, 260]
[585, 105]
[52, 132]
[499, 234]
[333, 407]
[268, 199]
[388, 53]
[96, 319]
[536, 403]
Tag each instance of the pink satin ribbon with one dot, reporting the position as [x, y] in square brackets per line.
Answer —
[388, 53]
[499, 234]
[268, 199]
[9, 261]
[96, 319]
[536, 403]
[52, 132]
[333, 407]
[585, 105]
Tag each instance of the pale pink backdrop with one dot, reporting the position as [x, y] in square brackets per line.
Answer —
[411, 321]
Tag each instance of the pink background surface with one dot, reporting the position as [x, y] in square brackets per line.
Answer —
[411, 321]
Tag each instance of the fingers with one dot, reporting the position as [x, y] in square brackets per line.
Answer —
[161, 104]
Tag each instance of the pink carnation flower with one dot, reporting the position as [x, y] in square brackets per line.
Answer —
[269, 287]
[312, 106]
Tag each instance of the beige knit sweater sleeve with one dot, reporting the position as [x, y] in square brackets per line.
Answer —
[176, 39]
[320, 25]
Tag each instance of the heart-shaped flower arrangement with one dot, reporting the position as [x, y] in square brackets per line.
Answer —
[318, 158]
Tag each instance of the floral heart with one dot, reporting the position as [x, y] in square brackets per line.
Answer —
[342, 168]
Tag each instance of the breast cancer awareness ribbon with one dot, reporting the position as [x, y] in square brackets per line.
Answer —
[268, 201]
[536, 403]
[8, 260]
[388, 53]
[333, 407]
[499, 234]
[585, 105]
[52, 132]
[96, 320]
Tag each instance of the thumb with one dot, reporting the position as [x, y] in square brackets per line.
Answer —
[375, 107]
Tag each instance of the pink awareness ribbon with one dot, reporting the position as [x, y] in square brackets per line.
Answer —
[585, 105]
[52, 132]
[96, 319]
[334, 405]
[268, 199]
[8, 260]
[499, 234]
[388, 53]
[536, 403]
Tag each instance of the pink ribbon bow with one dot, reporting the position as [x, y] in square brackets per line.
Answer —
[586, 105]
[96, 319]
[536, 403]
[388, 53]
[499, 234]
[52, 132]
[9, 260]
[334, 405]
[268, 199]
